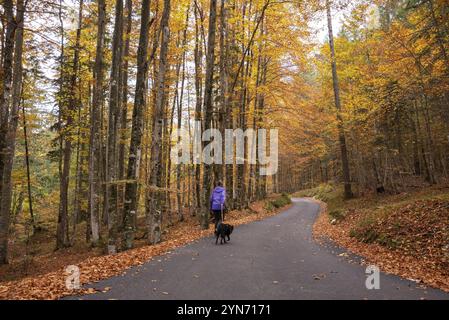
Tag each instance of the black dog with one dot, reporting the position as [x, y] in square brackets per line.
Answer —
[223, 231]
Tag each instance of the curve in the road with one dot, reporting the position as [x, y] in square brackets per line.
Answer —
[272, 259]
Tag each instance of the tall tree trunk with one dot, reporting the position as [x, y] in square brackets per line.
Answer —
[230, 119]
[61, 99]
[224, 85]
[180, 104]
[27, 162]
[259, 115]
[166, 150]
[191, 168]
[95, 128]
[242, 194]
[12, 82]
[341, 131]
[135, 150]
[111, 201]
[79, 157]
[198, 107]
[241, 122]
[124, 108]
[62, 231]
[80, 181]
[7, 78]
[156, 194]
[209, 108]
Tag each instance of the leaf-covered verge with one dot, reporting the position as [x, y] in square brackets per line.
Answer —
[51, 285]
[405, 234]
[278, 202]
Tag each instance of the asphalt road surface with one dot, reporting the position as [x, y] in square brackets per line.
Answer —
[272, 259]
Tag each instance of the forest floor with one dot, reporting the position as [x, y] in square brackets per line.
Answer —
[405, 234]
[38, 272]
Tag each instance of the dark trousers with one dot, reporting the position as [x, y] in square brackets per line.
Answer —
[217, 216]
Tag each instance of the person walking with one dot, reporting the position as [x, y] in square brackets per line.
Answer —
[217, 202]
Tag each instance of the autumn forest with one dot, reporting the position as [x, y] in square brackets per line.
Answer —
[91, 93]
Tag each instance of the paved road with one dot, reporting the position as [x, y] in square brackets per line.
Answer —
[271, 259]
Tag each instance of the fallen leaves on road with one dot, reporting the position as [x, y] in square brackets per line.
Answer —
[319, 276]
[52, 285]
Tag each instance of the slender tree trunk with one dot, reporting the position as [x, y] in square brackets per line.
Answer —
[430, 142]
[191, 168]
[61, 96]
[242, 193]
[241, 122]
[209, 108]
[166, 147]
[95, 128]
[230, 119]
[12, 82]
[62, 232]
[79, 157]
[224, 119]
[27, 162]
[135, 150]
[156, 195]
[7, 78]
[111, 201]
[76, 196]
[341, 131]
[416, 162]
[259, 115]
[180, 104]
[78, 186]
[199, 101]
[124, 109]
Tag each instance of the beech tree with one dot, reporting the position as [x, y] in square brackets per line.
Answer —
[155, 200]
[135, 150]
[336, 85]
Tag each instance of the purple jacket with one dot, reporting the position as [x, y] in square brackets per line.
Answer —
[217, 198]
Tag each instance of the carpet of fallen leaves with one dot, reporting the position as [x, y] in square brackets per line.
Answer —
[418, 233]
[52, 285]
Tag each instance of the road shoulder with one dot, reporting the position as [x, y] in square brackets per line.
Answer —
[389, 261]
